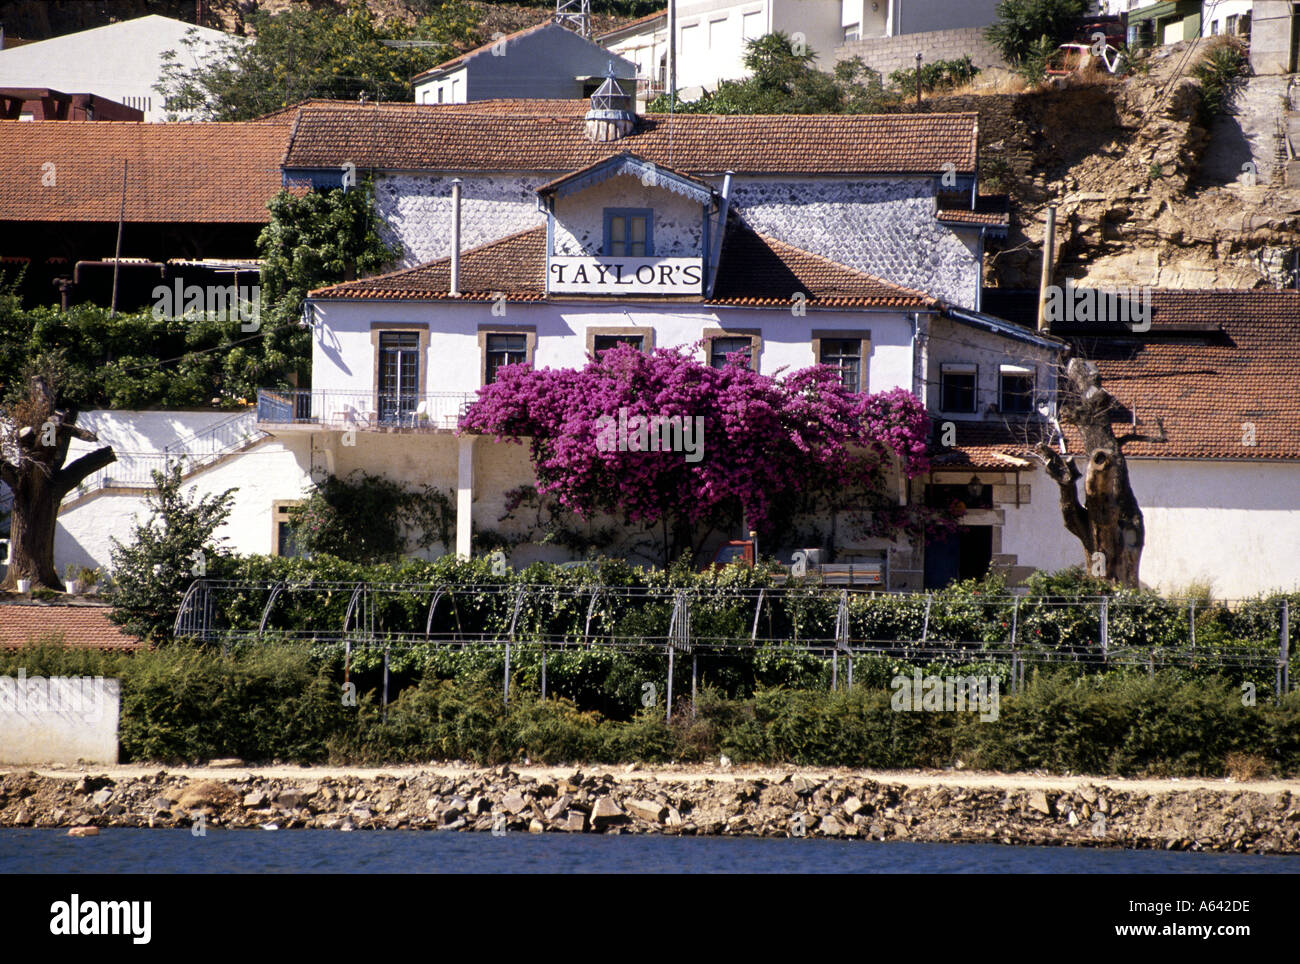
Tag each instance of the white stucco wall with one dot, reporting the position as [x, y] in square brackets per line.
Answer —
[343, 354]
[580, 225]
[59, 720]
[273, 469]
[1235, 525]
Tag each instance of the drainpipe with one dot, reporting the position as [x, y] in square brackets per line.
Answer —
[920, 360]
[455, 238]
[715, 242]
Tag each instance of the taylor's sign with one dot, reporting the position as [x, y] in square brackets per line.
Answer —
[625, 276]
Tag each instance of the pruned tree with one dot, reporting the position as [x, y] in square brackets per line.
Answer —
[35, 432]
[1109, 521]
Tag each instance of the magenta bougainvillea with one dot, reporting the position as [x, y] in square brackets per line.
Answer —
[764, 437]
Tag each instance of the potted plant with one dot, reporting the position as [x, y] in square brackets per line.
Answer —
[72, 576]
[24, 586]
[89, 578]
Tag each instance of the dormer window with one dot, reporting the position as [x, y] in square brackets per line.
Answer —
[629, 232]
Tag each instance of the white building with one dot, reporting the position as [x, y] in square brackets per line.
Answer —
[119, 61]
[547, 62]
[711, 34]
[721, 227]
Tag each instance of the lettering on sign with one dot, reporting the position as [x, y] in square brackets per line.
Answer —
[625, 276]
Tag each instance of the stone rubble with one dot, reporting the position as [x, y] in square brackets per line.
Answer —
[571, 801]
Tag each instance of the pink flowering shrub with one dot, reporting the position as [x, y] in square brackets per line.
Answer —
[766, 439]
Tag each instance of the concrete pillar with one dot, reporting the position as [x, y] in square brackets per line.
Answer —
[464, 494]
[1270, 37]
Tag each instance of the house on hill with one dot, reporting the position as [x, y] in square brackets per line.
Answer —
[546, 61]
[119, 61]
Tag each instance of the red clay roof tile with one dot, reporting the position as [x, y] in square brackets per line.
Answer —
[223, 172]
[82, 627]
[427, 137]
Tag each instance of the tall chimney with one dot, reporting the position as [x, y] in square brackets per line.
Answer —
[455, 237]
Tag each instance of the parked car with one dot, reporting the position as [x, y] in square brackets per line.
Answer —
[1070, 58]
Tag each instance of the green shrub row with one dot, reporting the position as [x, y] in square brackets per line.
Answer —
[276, 702]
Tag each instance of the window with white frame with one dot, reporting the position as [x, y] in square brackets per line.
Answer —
[1015, 390]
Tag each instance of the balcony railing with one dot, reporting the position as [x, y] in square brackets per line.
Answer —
[365, 411]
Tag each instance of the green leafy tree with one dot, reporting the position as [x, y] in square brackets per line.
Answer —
[300, 53]
[1022, 24]
[167, 552]
[313, 240]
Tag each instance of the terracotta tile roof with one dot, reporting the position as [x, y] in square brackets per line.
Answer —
[986, 445]
[425, 137]
[756, 271]
[514, 266]
[83, 627]
[175, 172]
[460, 59]
[991, 210]
[1212, 362]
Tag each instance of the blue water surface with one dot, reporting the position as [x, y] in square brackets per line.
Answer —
[142, 850]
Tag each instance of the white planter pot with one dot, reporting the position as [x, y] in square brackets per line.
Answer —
[24, 585]
[74, 587]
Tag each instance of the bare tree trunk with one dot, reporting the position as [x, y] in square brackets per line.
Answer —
[33, 468]
[1109, 522]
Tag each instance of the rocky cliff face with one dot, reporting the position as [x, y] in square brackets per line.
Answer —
[1144, 194]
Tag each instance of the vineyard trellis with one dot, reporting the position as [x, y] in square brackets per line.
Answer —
[829, 623]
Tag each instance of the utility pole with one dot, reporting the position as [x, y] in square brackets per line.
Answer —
[1045, 278]
[672, 51]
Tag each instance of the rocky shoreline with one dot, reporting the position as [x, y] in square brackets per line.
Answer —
[503, 800]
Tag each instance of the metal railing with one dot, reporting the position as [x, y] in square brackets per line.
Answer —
[837, 625]
[135, 469]
[217, 439]
[364, 410]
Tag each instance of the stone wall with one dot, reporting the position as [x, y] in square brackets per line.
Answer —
[887, 54]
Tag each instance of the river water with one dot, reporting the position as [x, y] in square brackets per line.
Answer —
[135, 850]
